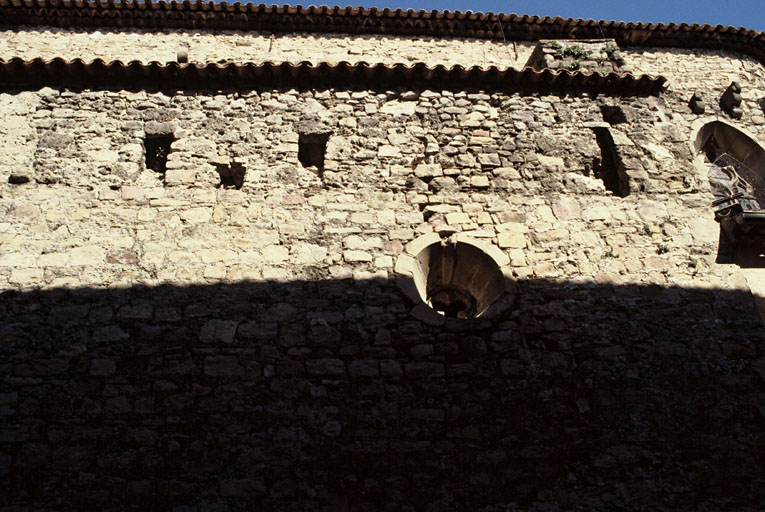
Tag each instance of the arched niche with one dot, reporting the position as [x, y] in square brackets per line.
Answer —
[458, 277]
[718, 137]
[735, 162]
[737, 173]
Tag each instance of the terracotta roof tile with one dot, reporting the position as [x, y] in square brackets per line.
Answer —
[17, 73]
[100, 13]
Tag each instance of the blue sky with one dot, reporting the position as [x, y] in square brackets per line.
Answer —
[739, 13]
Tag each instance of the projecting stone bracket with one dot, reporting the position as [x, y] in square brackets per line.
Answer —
[730, 101]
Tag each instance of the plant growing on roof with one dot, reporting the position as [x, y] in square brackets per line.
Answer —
[609, 50]
[576, 51]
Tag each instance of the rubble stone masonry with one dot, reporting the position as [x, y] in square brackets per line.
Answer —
[172, 341]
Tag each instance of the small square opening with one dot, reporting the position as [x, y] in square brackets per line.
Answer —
[231, 176]
[157, 149]
[311, 150]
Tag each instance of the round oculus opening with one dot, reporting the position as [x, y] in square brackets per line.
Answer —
[458, 279]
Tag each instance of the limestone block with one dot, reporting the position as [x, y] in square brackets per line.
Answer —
[217, 255]
[308, 254]
[511, 240]
[196, 146]
[457, 218]
[428, 170]
[18, 259]
[110, 333]
[566, 208]
[197, 215]
[103, 367]
[398, 108]
[390, 368]
[103, 155]
[54, 259]
[551, 162]
[479, 181]
[466, 160]
[423, 369]
[215, 272]
[291, 229]
[489, 160]
[386, 151]
[704, 229]
[353, 256]
[218, 331]
[363, 217]
[509, 173]
[223, 366]
[653, 212]
[596, 212]
[26, 276]
[384, 262]
[184, 175]
[364, 368]
[327, 367]
[338, 148]
[362, 243]
[275, 254]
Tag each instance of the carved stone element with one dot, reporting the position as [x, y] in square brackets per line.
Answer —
[697, 104]
[731, 99]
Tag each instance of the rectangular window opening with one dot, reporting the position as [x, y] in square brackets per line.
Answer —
[157, 149]
[311, 150]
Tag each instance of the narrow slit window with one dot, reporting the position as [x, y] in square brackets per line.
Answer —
[609, 168]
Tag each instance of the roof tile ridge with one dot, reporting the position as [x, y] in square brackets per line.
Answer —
[325, 64]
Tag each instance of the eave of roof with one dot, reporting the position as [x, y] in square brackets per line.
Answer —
[237, 16]
[19, 74]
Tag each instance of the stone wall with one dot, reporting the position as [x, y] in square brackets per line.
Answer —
[172, 340]
[401, 163]
[176, 343]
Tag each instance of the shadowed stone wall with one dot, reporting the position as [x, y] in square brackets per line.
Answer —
[326, 394]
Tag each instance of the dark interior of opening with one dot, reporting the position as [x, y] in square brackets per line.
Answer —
[608, 168]
[311, 150]
[18, 179]
[231, 176]
[462, 281]
[613, 114]
[157, 149]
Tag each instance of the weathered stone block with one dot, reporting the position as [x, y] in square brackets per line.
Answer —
[329, 367]
[223, 366]
[243, 488]
[218, 331]
[418, 370]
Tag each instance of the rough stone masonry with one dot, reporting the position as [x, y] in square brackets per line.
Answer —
[218, 299]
